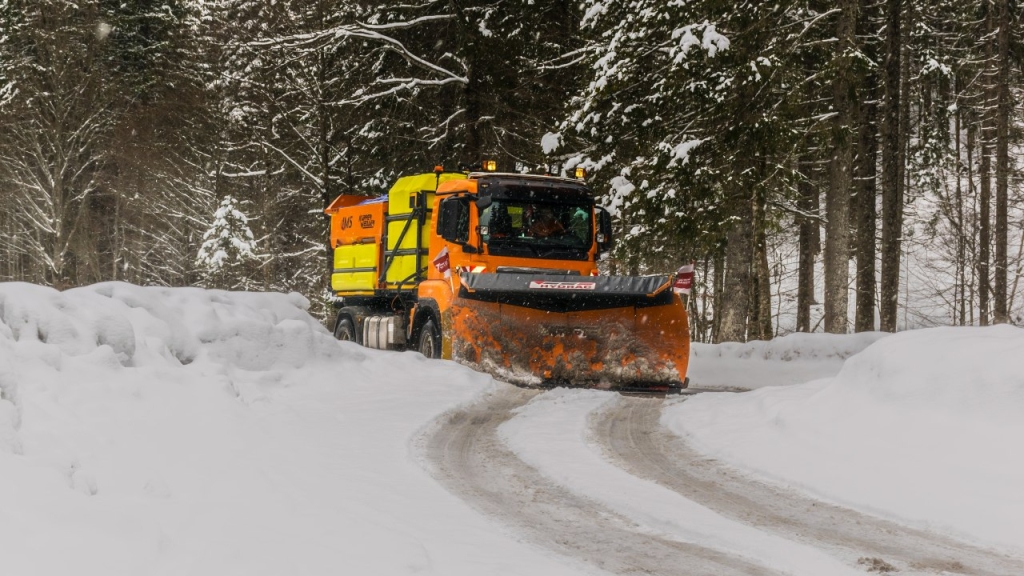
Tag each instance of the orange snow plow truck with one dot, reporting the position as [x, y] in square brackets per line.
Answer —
[499, 272]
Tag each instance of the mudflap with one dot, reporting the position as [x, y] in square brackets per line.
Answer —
[614, 332]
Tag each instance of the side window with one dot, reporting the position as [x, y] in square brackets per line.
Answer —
[580, 224]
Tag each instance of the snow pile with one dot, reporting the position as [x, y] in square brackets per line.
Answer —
[796, 346]
[924, 426]
[164, 326]
[184, 431]
[791, 359]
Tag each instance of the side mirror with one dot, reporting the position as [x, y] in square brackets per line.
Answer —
[453, 221]
[448, 220]
[605, 241]
[483, 202]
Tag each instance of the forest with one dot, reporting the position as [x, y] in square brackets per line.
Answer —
[841, 166]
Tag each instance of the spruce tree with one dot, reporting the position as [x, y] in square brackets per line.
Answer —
[228, 249]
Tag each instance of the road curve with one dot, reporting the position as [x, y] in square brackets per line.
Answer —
[465, 454]
[629, 430]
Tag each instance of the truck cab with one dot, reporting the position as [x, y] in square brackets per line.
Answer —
[492, 222]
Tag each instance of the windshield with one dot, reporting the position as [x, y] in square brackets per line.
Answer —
[537, 229]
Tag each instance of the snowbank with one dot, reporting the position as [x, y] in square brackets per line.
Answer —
[184, 431]
[796, 346]
[923, 426]
[161, 326]
[793, 358]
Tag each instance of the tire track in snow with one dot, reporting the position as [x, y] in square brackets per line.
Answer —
[466, 455]
[630, 431]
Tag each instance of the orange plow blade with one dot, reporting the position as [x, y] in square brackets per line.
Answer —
[547, 330]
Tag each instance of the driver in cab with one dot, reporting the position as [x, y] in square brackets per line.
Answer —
[545, 225]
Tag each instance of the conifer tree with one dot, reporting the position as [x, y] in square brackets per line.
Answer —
[228, 249]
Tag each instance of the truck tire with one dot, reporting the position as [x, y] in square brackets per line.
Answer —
[345, 329]
[429, 343]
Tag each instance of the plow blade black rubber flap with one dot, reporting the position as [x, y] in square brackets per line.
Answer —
[565, 293]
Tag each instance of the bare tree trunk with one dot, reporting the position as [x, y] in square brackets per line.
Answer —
[116, 238]
[892, 185]
[701, 326]
[866, 218]
[761, 297]
[719, 290]
[837, 198]
[735, 295]
[764, 296]
[984, 231]
[60, 239]
[961, 232]
[1002, 160]
[985, 196]
[906, 85]
[808, 204]
[971, 138]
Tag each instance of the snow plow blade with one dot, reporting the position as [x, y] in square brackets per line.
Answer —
[554, 330]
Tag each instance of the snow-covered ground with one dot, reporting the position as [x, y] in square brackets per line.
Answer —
[791, 359]
[923, 426]
[183, 431]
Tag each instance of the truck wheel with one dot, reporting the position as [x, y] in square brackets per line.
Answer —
[430, 339]
[345, 330]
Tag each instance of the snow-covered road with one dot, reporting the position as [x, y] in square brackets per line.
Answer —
[155, 431]
[467, 456]
[597, 477]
